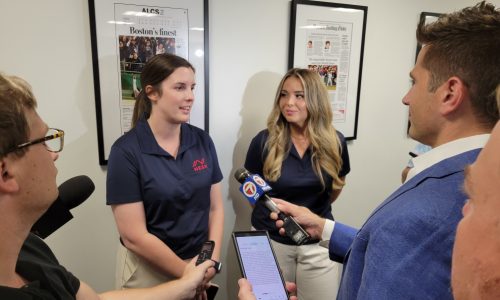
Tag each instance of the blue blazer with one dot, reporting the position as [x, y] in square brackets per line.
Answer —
[403, 251]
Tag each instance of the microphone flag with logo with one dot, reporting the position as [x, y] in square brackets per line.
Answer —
[254, 187]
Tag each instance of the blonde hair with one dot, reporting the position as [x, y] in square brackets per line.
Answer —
[325, 144]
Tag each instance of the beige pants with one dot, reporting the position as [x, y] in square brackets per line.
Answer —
[310, 267]
[134, 272]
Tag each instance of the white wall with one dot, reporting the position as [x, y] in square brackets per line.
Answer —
[48, 43]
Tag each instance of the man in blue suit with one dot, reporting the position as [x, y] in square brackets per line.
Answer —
[404, 249]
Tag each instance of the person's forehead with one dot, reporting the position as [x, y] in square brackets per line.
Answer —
[181, 75]
[36, 124]
[490, 155]
[485, 172]
[293, 83]
[418, 71]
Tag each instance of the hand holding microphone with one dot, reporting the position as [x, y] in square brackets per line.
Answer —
[310, 221]
[254, 188]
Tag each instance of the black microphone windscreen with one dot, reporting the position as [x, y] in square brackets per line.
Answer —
[241, 174]
[75, 190]
[54, 218]
[72, 193]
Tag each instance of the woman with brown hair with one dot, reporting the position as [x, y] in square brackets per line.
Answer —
[163, 181]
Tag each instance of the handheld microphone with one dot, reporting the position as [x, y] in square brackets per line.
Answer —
[254, 188]
[72, 193]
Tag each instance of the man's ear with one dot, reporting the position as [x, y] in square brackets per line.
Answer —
[452, 94]
[8, 183]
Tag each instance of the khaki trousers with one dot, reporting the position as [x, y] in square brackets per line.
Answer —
[134, 272]
[310, 267]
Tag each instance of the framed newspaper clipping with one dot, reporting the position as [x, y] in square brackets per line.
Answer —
[125, 34]
[329, 39]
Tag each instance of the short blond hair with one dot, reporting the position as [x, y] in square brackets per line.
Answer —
[16, 97]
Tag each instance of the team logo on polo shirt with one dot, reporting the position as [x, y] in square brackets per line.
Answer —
[199, 165]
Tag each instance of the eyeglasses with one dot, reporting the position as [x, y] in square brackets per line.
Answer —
[53, 141]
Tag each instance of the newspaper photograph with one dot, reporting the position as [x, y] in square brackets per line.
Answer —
[142, 32]
[328, 53]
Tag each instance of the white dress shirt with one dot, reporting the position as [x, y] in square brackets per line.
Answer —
[423, 162]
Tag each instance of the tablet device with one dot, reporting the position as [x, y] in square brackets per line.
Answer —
[259, 265]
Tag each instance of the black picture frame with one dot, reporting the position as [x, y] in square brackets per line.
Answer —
[314, 27]
[106, 58]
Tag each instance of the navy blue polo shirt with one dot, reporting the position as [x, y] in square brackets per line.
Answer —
[297, 184]
[175, 191]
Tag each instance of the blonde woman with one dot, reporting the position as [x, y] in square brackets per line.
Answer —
[305, 161]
